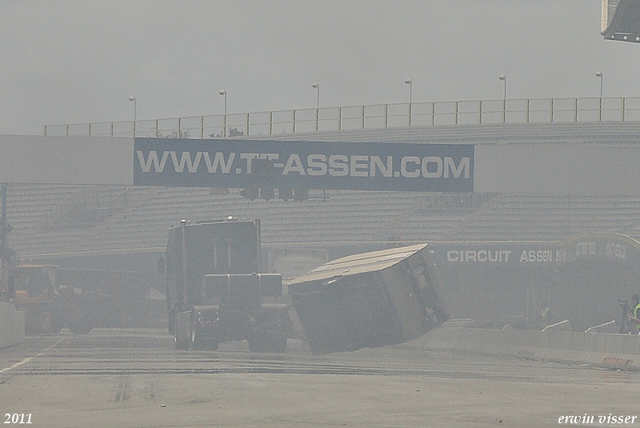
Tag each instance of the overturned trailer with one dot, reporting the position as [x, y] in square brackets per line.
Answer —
[369, 300]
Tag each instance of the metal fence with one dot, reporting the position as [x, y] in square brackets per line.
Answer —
[543, 110]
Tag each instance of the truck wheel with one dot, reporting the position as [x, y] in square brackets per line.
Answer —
[49, 322]
[81, 327]
[172, 321]
[197, 342]
[254, 345]
[278, 344]
[211, 345]
[180, 343]
[265, 342]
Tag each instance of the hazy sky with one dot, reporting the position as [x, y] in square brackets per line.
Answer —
[79, 61]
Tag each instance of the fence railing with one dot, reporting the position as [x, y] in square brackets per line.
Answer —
[543, 110]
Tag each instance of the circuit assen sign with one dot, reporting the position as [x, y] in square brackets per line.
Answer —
[310, 165]
[506, 253]
[610, 247]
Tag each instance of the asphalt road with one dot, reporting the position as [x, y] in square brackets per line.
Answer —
[134, 378]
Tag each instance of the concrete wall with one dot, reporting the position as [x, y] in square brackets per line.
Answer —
[557, 168]
[11, 325]
[66, 160]
[550, 158]
[601, 349]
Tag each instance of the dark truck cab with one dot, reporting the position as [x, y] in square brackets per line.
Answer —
[216, 291]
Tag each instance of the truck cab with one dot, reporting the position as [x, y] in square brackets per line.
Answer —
[216, 291]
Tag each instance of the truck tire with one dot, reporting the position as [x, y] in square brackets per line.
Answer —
[200, 343]
[80, 327]
[172, 321]
[268, 342]
[278, 344]
[197, 341]
[49, 321]
[211, 345]
[180, 343]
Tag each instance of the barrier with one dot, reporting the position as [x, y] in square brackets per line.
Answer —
[620, 351]
[11, 325]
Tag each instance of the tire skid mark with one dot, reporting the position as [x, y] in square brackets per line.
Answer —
[122, 390]
[126, 388]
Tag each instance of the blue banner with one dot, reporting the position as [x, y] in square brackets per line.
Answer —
[303, 165]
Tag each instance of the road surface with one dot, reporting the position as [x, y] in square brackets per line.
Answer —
[134, 378]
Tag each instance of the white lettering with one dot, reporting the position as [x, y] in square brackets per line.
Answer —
[616, 250]
[463, 166]
[434, 167]
[585, 248]
[359, 166]
[192, 166]
[218, 161]
[249, 157]
[405, 171]
[152, 159]
[294, 164]
[478, 256]
[376, 162]
[434, 161]
[270, 156]
[317, 165]
[536, 256]
[338, 165]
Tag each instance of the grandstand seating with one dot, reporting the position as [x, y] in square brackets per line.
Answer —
[335, 218]
[64, 220]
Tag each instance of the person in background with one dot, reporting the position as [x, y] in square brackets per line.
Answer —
[635, 312]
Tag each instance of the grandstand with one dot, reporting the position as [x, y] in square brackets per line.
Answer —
[140, 220]
[59, 221]
[126, 227]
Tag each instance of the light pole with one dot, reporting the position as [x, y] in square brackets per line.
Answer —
[224, 119]
[410, 83]
[504, 79]
[3, 216]
[504, 98]
[601, 76]
[317, 88]
[133, 99]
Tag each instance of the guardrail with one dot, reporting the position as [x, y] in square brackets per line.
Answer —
[543, 110]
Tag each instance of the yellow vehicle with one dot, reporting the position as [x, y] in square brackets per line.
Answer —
[53, 298]
[6, 273]
[37, 297]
